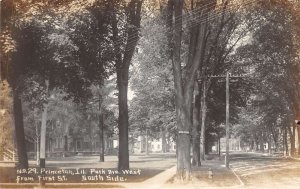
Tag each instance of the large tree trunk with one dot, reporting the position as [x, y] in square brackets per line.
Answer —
[182, 109]
[199, 56]
[194, 31]
[11, 72]
[122, 67]
[184, 91]
[122, 81]
[19, 131]
[203, 119]
[183, 157]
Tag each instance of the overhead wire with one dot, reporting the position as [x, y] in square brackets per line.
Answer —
[216, 13]
[195, 11]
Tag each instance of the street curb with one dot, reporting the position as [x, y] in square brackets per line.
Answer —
[240, 180]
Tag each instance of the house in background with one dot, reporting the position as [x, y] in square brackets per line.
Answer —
[138, 145]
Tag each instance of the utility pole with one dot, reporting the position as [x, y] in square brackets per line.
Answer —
[227, 76]
[227, 121]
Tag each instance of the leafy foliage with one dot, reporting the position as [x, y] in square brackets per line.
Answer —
[152, 108]
[6, 118]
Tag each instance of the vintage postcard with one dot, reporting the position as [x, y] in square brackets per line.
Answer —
[150, 94]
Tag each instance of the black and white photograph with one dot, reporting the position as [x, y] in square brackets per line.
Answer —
[154, 94]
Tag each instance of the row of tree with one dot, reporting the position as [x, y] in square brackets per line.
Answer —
[274, 59]
[70, 48]
[60, 56]
[204, 38]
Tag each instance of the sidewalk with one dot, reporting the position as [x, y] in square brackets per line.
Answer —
[156, 182]
[222, 177]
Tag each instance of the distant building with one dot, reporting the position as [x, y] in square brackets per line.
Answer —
[154, 145]
[234, 144]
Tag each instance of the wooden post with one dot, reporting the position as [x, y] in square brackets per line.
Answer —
[228, 75]
[227, 121]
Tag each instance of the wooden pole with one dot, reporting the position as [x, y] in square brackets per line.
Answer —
[227, 121]
[228, 75]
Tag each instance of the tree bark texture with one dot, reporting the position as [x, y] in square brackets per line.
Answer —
[122, 80]
[15, 72]
[199, 57]
[184, 90]
[194, 31]
[19, 131]
[198, 40]
[182, 109]
[203, 119]
[122, 68]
